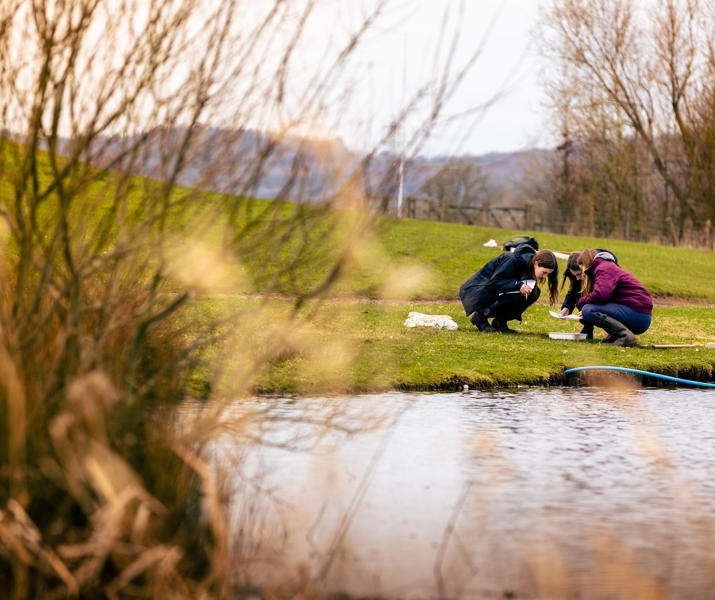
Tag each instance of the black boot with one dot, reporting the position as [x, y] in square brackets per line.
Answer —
[479, 320]
[501, 325]
[620, 334]
[587, 329]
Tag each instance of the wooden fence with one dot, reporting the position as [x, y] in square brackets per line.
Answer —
[505, 217]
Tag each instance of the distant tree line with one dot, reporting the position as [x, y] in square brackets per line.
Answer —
[633, 96]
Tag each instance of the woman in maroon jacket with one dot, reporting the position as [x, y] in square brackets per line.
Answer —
[613, 299]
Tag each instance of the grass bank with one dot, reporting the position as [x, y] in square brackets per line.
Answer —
[356, 341]
[437, 257]
[408, 258]
[365, 347]
[454, 252]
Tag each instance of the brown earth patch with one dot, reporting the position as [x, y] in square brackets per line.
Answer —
[658, 301]
[670, 301]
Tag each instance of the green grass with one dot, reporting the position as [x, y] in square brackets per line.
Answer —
[448, 254]
[445, 254]
[384, 354]
[455, 252]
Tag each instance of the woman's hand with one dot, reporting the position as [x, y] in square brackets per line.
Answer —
[564, 312]
[525, 289]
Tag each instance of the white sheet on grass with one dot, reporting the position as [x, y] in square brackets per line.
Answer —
[416, 319]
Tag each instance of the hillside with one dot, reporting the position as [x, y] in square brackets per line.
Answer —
[446, 254]
[222, 161]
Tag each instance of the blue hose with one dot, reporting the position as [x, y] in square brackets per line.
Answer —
[676, 379]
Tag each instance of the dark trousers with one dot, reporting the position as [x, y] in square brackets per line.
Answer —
[510, 306]
[635, 321]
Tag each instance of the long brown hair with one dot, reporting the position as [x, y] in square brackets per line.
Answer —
[584, 260]
[571, 264]
[547, 259]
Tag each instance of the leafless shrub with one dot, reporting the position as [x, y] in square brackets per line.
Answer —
[104, 272]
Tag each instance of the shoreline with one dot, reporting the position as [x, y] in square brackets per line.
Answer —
[349, 347]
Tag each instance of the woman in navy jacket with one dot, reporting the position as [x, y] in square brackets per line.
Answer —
[500, 289]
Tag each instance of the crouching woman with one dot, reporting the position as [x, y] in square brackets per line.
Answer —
[612, 299]
[574, 274]
[505, 287]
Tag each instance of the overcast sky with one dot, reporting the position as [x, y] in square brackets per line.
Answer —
[507, 66]
[402, 54]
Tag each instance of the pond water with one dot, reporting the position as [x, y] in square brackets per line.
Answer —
[551, 493]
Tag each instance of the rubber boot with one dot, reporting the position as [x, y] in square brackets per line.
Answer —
[587, 329]
[479, 320]
[501, 325]
[620, 334]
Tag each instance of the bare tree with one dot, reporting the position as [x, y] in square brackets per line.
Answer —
[643, 72]
[460, 184]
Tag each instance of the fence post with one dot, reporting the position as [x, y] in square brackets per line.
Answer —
[385, 205]
[671, 227]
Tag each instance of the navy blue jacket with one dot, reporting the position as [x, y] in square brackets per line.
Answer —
[505, 273]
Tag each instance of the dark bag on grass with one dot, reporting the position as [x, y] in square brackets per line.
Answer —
[518, 240]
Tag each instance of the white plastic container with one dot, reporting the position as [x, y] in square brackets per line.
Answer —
[559, 335]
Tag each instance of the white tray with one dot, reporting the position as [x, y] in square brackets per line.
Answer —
[558, 335]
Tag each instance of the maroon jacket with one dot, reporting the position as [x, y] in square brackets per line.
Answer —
[613, 284]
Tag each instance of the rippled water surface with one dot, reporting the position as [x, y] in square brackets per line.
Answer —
[549, 493]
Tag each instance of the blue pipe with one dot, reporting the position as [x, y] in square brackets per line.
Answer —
[677, 379]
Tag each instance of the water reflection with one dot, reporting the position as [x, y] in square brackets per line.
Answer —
[551, 493]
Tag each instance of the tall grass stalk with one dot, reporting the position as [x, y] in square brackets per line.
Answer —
[103, 490]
